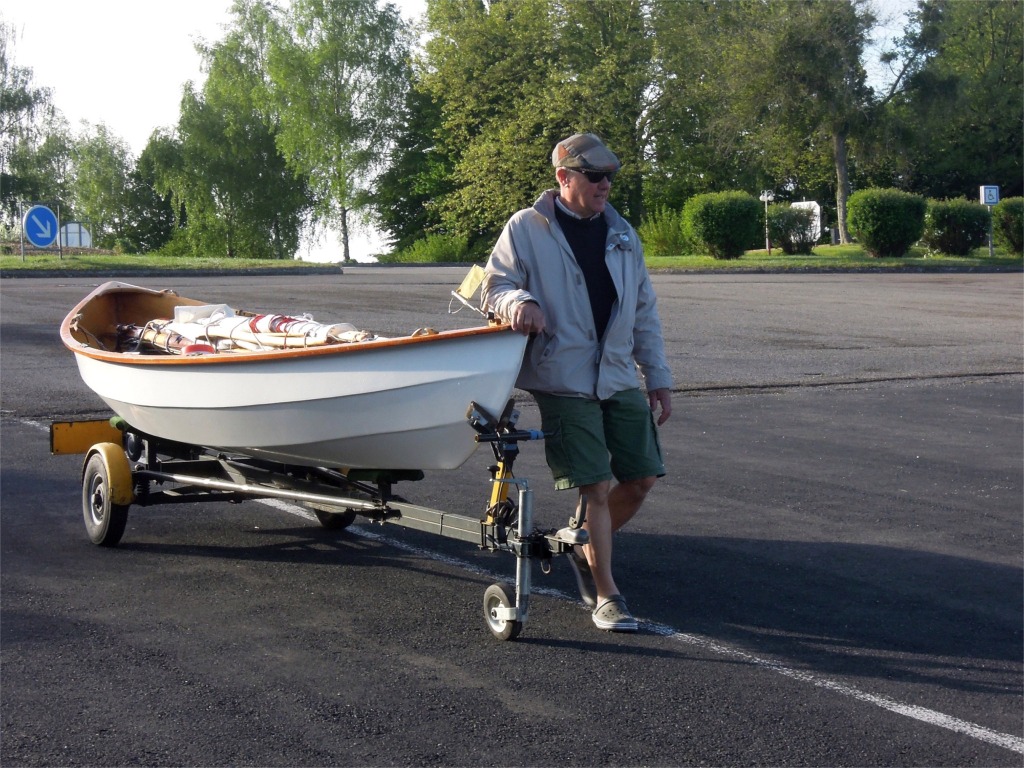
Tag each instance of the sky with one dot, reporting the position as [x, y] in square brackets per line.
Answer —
[124, 63]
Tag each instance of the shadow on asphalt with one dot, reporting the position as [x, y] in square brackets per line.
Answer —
[840, 608]
[305, 545]
[843, 609]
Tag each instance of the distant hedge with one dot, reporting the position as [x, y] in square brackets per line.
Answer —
[433, 249]
[662, 233]
[886, 222]
[723, 224]
[1008, 223]
[955, 227]
[791, 228]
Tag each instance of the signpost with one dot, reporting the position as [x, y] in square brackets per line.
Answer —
[990, 197]
[766, 197]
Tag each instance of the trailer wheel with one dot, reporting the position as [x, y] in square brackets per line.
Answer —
[336, 521]
[497, 600]
[105, 520]
[333, 518]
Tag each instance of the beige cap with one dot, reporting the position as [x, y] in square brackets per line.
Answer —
[585, 152]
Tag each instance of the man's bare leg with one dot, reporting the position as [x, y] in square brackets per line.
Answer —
[608, 509]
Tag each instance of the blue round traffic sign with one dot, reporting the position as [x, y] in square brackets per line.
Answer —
[40, 226]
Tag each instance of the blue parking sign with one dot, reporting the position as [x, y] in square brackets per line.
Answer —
[40, 226]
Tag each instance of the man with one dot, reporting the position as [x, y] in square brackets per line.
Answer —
[570, 273]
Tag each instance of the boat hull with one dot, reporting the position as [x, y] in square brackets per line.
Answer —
[397, 404]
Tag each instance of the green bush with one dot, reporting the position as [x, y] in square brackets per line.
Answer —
[886, 222]
[432, 249]
[724, 224]
[177, 247]
[791, 228]
[662, 234]
[955, 227]
[1008, 224]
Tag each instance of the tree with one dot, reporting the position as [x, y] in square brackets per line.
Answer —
[271, 199]
[489, 68]
[417, 174]
[41, 164]
[150, 223]
[690, 150]
[25, 112]
[199, 182]
[608, 51]
[511, 79]
[237, 191]
[795, 86]
[164, 161]
[91, 177]
[338, 72]
[961, 110]
[102, 166]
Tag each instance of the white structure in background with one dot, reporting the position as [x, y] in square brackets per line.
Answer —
[815, 209]
[73, 234]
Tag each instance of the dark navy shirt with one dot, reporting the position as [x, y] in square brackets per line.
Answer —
[587, 239]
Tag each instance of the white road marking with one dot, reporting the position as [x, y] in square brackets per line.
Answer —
[1005, 740]
[930, 716]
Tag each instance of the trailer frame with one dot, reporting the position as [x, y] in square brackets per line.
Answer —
[126, 467]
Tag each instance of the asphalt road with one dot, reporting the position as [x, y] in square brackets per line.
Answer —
[831, 574]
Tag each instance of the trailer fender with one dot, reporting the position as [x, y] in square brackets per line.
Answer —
[119, 471]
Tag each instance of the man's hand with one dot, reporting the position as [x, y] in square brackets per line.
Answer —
[662, 397]
[527, 318]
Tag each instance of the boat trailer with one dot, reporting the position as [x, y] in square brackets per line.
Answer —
[123, 467]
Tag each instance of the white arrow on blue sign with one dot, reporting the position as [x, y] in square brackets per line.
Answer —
[40, 226]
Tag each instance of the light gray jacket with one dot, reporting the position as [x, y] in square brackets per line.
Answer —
[532, 261]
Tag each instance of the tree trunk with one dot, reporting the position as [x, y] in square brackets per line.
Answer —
[839, 152]
[344, 235]
[229, 225]
[636, 203]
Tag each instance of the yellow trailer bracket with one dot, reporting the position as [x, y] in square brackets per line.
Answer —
[67, 437]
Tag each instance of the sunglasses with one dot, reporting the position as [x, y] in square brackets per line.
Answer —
[595, 177]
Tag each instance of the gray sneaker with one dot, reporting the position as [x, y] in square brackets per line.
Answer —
[584, 578]
[613, 615]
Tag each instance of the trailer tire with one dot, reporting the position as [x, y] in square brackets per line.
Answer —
[333, 518]
[336, 521]
[497, 599]
[105, 519]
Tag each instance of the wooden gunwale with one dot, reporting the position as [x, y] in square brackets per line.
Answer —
[129, 303]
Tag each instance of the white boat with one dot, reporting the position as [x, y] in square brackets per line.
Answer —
[394, 403]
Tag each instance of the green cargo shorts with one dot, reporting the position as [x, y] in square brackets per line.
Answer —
[589, 441]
